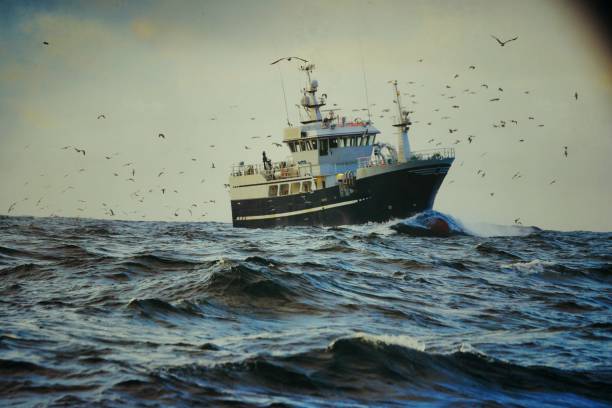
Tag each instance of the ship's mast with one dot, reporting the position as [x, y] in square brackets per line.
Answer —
[403, 125]
[309, 99]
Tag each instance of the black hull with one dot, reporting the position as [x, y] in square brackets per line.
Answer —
[395, 194]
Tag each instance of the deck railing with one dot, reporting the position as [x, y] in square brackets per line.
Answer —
[275, 171]
[430, 154]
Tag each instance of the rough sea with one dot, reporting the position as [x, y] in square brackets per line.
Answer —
[117, 313]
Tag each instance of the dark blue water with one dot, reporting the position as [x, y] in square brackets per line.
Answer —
[112, 313]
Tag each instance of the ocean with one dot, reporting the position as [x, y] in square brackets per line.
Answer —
[121, 313]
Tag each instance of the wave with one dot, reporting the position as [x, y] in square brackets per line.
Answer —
[369, 368]
[489, 248]
[549, 268]
[154, 308]
[430, 224]
[256, 281]
[147, 262]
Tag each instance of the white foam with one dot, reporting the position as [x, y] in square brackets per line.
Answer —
[400, 340]
[535, 266]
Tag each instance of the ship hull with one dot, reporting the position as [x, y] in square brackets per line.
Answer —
[377, 198]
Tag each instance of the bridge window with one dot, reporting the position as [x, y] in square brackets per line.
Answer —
[284, 189]
[273, 190]
[302, 146]
[323, 147]
[295, 188]
[333, 143]
[314, 145]
[292, 146]
[306, 187]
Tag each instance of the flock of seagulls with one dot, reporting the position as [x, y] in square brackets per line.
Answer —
[139, 194]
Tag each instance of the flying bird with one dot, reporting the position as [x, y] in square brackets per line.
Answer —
[576, 95]
[161, 136]
[12, 206]
[494, 99]
[470, 138]
[502, 43]
[80, 151]
[472, 67]
[552, 182]
[288, 59]
[565, 151]
[518, 221]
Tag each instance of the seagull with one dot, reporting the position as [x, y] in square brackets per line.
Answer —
[161, 136]
[107, 157]
[516, 175]
[492, 194]
[518, 221]
[472, 67]
[133, 172]
[456, 76]
[531, 118]
[212, 146]
[212, 166]
[45, 42]
[552, 182]
[110, 210]
[576, 95]
[500, 89]
[430, 140]
[514, 121]
[565, 150]
[246, 147]
[485, 86]
[288, 59]
[12, 206]
[456, 106]
[101, 116]
[452, 130]
[502, 43]
[494, 99]
[80, 151]
[470, 138]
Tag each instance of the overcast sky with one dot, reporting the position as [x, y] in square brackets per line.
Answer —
[199, 71]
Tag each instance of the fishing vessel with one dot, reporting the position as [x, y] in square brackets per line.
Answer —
[337, 173]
